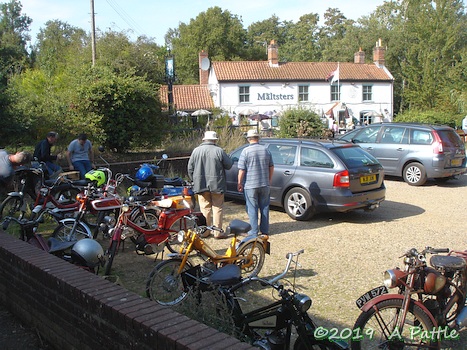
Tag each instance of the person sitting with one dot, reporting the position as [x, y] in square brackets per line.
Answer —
[42, 153]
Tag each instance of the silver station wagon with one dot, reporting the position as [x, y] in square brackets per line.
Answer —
[313, 176]
[415, 152]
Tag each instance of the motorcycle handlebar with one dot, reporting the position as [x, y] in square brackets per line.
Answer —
[273, 280]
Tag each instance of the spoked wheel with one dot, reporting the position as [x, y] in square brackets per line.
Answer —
[378, 329]
[164, 284]
[414, 174]
[252, 265]
[147, 219]
[12, 206]
[69, 231]
[298, 204]
[173, 245]
[110, 255]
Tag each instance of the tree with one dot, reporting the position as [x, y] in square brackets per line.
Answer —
[301, 44]
[218, 32]
[260, 34]
[58, 45]
[120, 111]
[300, 122]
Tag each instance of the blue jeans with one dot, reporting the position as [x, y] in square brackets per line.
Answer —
[257, 199]
[83, 166]
[52, 168]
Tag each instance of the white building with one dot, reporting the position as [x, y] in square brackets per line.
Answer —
[359, 92]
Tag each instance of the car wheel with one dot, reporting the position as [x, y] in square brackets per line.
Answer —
[414, 174]
[298, 204]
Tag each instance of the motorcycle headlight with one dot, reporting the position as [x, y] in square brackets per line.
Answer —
[125, 208]
[302, 302]
[392, 278]
[181, 236]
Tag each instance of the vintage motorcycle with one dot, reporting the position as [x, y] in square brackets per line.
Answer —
[165, 282]
[87, 253]
[427, 307]
[274, 326]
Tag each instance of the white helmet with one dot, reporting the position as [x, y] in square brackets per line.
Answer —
[87, 252]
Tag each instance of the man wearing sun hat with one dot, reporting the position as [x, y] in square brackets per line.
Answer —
[255, 169]
[206, 168]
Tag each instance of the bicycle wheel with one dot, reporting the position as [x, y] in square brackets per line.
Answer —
[69, 231]
[147, 219]
[11, 206]
[251, 265]
[110, 255]
[173, 245]
[377, 328]
[164, 283]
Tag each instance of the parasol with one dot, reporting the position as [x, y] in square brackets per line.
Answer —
[200, 112]
[258, 117]
[247, 111]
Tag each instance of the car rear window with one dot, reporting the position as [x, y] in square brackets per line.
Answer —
[354, 157]
[449, 138]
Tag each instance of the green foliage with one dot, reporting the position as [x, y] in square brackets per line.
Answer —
[430, 117]
[300, 122]
[121, 111]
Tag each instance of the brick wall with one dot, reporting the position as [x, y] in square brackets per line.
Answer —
[74, 309]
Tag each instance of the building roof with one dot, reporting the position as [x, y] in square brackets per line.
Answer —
[236, 71]
[188, 97]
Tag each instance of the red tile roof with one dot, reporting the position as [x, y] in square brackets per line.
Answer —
[296, 71]
[187, 97]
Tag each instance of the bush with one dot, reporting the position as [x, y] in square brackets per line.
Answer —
[300, 122]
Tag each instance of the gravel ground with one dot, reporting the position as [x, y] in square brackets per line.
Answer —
[345, 254]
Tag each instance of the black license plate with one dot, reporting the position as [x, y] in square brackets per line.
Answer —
[375, 292]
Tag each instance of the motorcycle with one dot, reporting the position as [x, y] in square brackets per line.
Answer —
[152, 227]
[428, 304]
[87, 253]
[165, 282]
[268, 327]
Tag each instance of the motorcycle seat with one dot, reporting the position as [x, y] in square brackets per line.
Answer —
[448, 262]
[173, 181]
[237, 227]
[56, 245]
[228, 275]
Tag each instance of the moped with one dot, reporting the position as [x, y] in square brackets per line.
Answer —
[165, 283]
[282, 324]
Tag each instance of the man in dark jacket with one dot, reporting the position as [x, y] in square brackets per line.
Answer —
[42, 153]
[206, 168]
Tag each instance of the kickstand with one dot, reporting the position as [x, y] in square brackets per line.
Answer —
[157, 255]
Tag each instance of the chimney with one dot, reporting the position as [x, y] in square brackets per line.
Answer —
[273, 54]
[359, 57]
[203, 68]
[378, 54]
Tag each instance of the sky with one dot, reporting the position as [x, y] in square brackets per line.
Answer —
[154, 18]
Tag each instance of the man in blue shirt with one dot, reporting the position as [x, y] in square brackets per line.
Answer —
[80, 155]
[255, 169]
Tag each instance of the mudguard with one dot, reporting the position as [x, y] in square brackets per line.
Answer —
[370, 304]
[262, 239]
[71, 221]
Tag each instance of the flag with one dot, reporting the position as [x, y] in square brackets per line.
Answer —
[334, 75]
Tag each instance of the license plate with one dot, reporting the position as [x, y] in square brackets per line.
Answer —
[367, 179]
[375, 292]
[456, 162]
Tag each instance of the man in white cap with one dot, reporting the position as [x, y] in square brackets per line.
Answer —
[255, 169]
[206, 168]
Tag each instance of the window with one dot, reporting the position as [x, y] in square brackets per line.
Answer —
[367, 93]
[335, 92]
[302, 93]
[395, 134]
[315, 158]
[244, 94]
[421, 137]
[282, 154]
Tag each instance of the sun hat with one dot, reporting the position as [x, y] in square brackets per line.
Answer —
[252, 133]
[210, 135]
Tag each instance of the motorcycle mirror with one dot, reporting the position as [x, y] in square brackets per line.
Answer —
[101, 148]
[165, 156]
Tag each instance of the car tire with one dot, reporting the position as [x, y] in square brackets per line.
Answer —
[414, 174]
[298, 204]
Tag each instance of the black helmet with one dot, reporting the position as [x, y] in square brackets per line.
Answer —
[87, 252]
